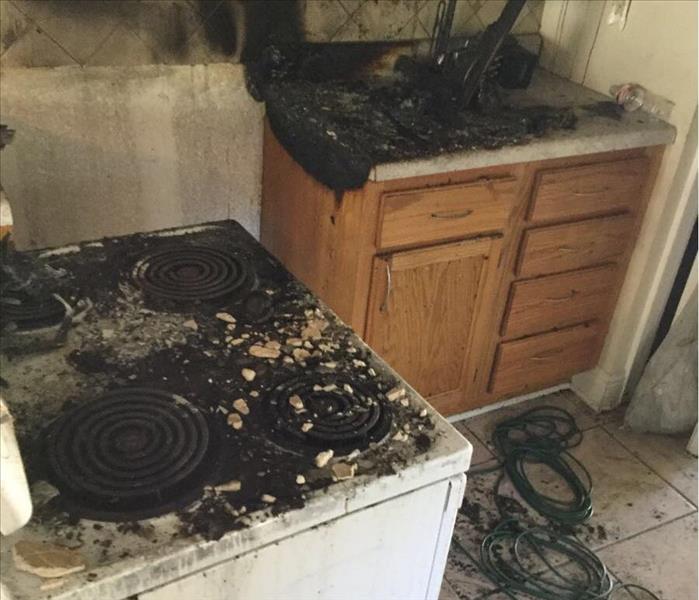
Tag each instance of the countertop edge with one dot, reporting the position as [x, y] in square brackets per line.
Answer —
[541, 149]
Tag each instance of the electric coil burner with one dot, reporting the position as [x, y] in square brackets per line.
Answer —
[337, 413]
[29, 313]
[132, 454]
[188, 274]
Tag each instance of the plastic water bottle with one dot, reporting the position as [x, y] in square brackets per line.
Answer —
[633, 96]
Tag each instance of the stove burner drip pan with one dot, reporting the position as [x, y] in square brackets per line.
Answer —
[132, 454]
[30, 313]
[189, 274]
[338, 413]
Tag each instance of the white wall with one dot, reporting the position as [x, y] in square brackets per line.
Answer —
[658, 49]
[111, 150]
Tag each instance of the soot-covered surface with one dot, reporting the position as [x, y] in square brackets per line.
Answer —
[338, 126]
[237, 373]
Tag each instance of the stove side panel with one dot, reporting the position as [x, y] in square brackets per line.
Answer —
[386, 551]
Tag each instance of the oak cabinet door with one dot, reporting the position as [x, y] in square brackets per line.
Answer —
[427, 311]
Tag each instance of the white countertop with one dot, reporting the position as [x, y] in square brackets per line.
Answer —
[592, 134]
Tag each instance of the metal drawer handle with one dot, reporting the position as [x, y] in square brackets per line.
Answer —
[570, 296]
[452, 215]
[384, 304]
[547, 356]
[590, 192]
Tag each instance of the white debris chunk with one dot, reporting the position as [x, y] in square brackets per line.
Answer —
[235, 421]
[348, 388]
[306, 427]
[404, 402]
[300, 354]
[294, 341]
[224, 316]
[400, 437]
[230, 486]
[248, 374]
[237, 342]
[423, 413]
[46, 560]
[268, 498]
[314, 329]
[191, 324]
[263, 352]
[395, 394]
[296, 402]
[358, 363]
[300, 480]
[241, 406]
[322, 458]
[254, 393]
[343, 470]
[288, 360]
[273, 345]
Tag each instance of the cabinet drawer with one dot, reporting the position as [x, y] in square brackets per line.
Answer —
[589, 189]
[558, 301]
[547, 250]
[534, 362]
[449, 212]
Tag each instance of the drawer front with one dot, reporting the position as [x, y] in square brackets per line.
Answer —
[558, 301]
[590, 189]
[548, 250]
[450, 212]
[535, 362]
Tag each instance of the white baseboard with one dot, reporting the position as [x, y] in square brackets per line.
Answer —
[599, 389]
[509, 402]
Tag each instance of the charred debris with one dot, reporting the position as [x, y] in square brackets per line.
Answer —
[339, 112]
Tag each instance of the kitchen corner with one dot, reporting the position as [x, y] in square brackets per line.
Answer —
[348, 299]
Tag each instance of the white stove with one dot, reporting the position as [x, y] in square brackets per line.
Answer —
[195, 423]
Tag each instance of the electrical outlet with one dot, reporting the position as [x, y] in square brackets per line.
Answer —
[619, 13]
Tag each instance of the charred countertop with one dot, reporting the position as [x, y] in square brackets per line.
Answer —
[599, 127]
[346, 129]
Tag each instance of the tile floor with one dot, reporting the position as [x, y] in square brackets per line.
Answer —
[644, 527]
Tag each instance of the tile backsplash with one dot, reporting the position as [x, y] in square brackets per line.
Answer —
[48, 33]
[377, 20]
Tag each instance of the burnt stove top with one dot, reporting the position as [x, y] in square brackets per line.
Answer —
[203, 379]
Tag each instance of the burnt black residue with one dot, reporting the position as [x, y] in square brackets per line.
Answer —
[606, 109]
[219, 25]
[338, 127]
[270, 22]
[149, 346]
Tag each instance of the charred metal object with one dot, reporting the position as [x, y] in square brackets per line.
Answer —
[132, 454]
[333, 412]
[28, 312]
[192, 274]
[465, 67]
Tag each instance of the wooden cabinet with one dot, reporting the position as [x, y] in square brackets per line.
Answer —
[423, 309]
[557, 301]
[426, 216]
[576, 192]
[572, 246]
[474, 285]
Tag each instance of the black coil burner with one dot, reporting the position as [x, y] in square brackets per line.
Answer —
[338, 413]
[29, 312]
[134, 453]
[187, 274]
